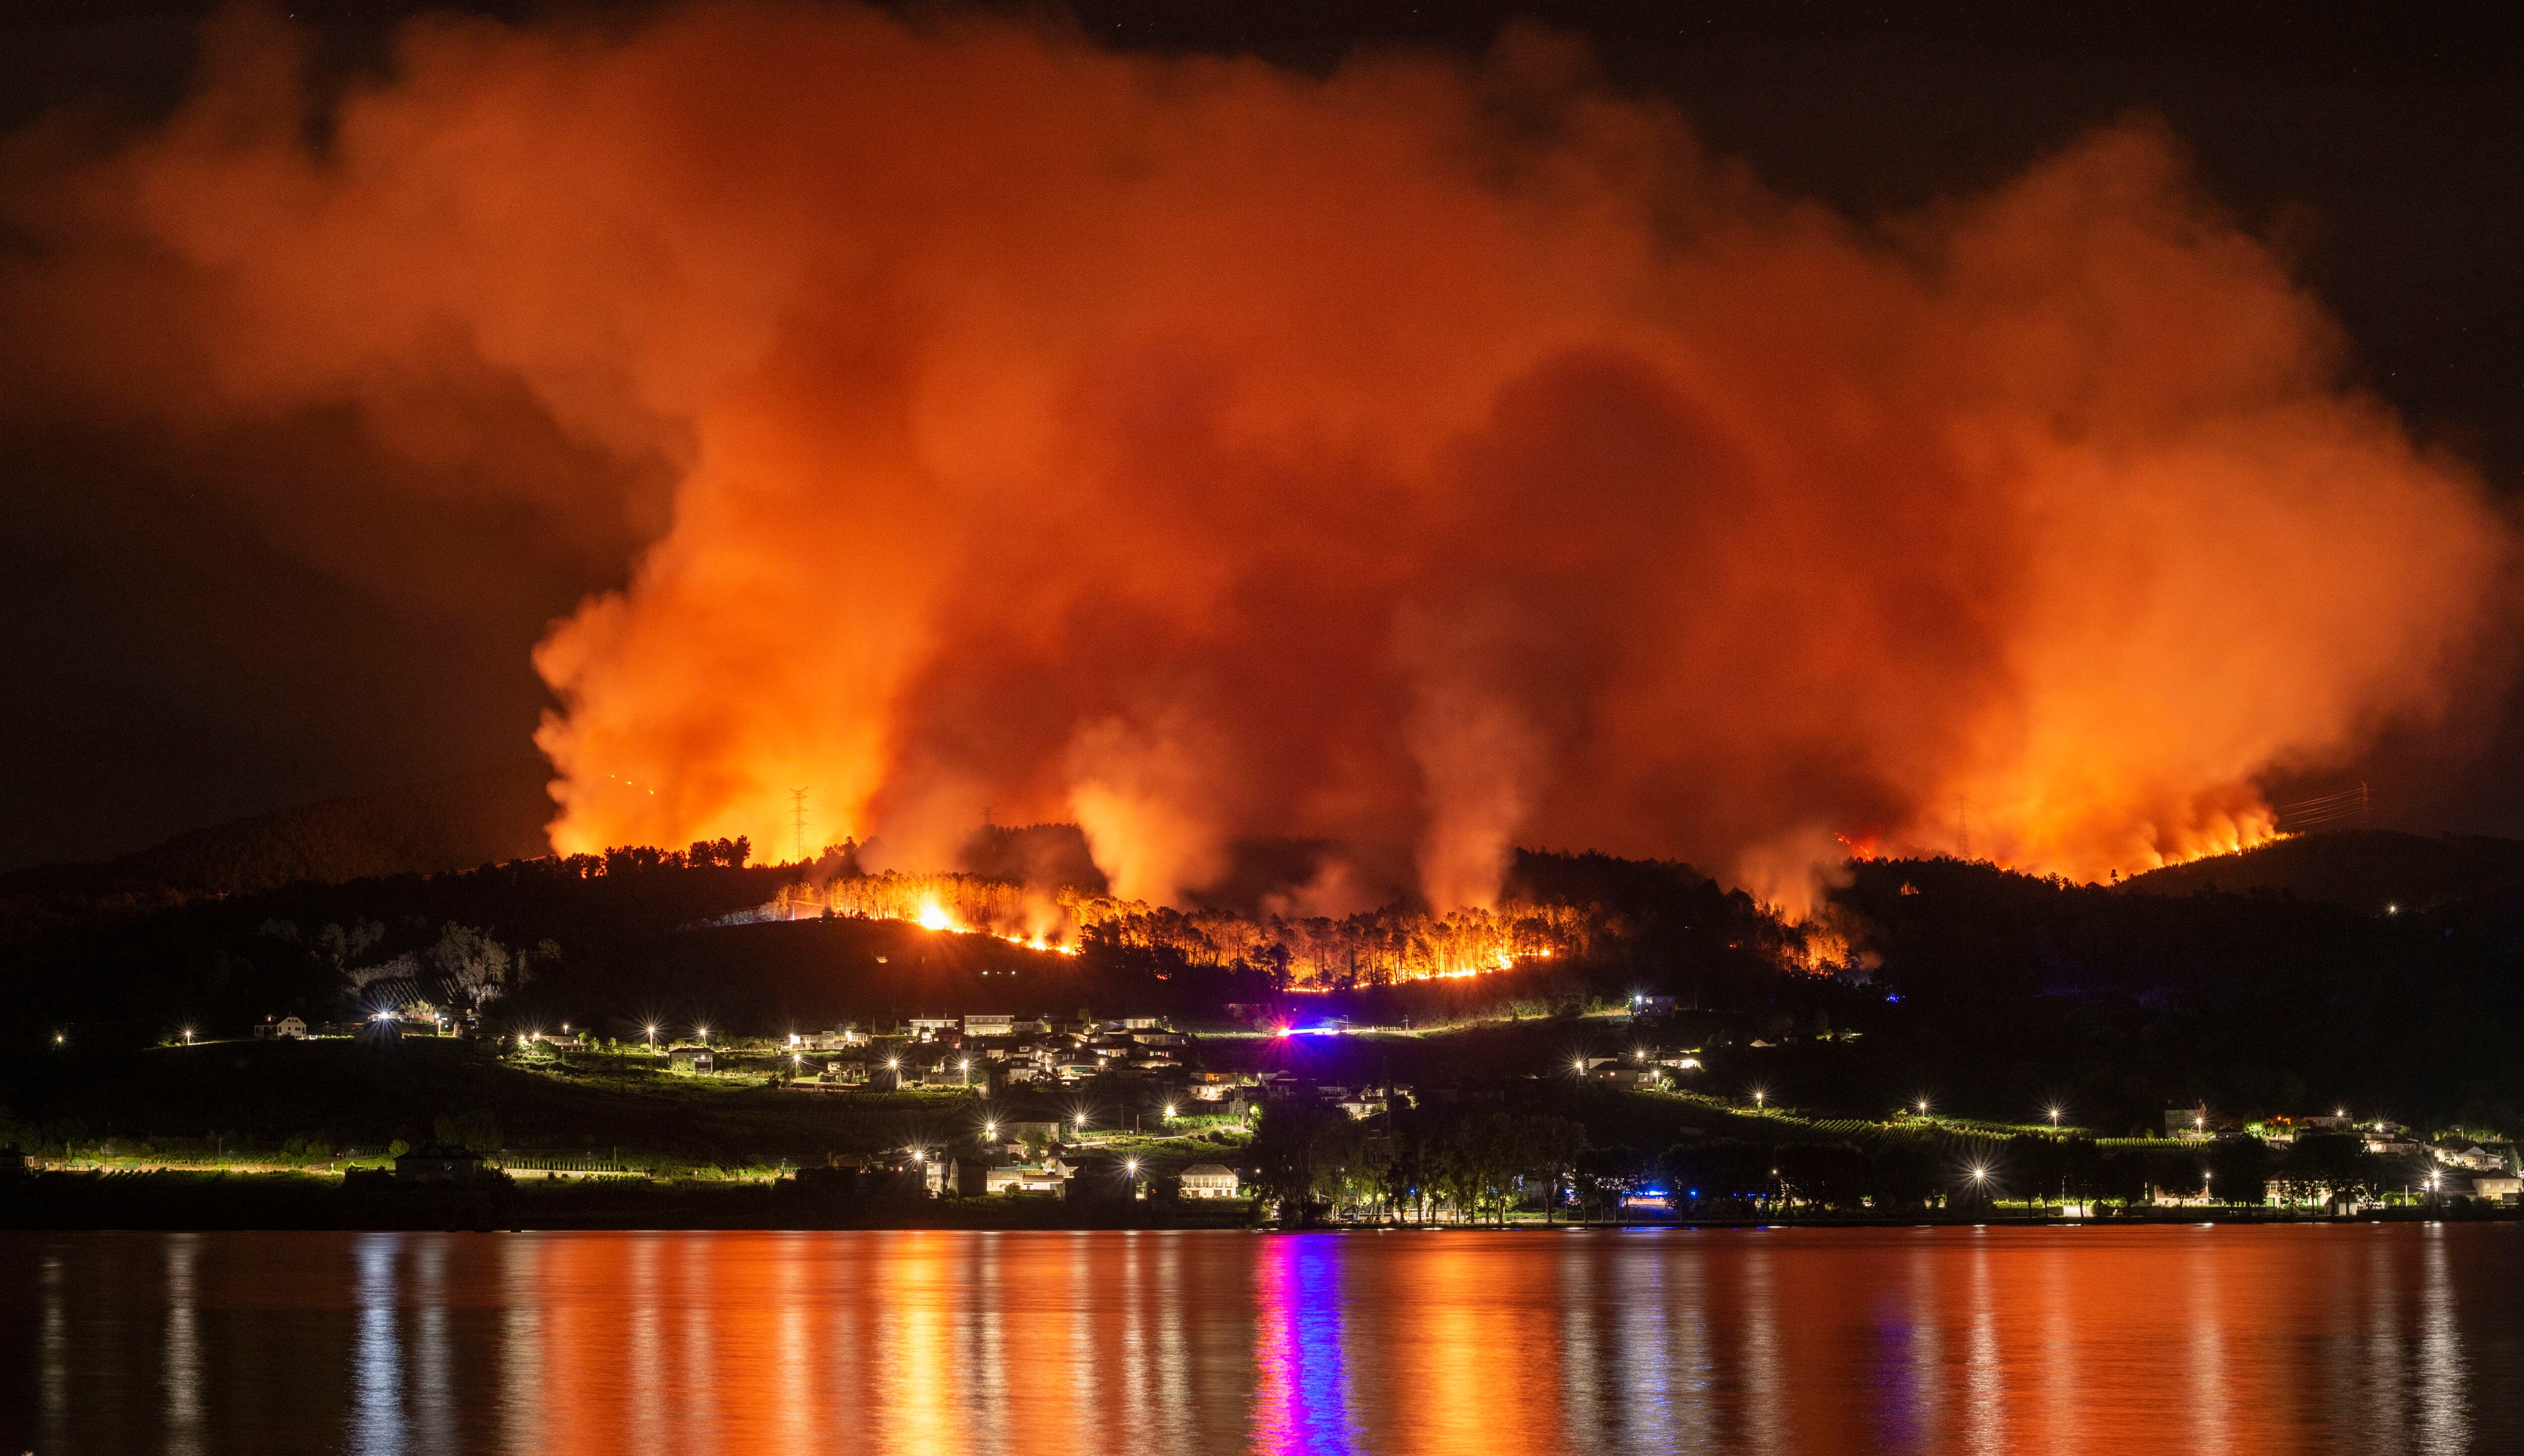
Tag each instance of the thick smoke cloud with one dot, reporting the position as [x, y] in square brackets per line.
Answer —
[1428, 459]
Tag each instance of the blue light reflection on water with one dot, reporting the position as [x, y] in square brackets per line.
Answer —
[1303, 1401]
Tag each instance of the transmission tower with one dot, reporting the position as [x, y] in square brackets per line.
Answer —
[798, 816]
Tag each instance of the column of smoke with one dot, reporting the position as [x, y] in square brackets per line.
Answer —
[1430, 458]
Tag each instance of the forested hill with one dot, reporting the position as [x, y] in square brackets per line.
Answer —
[2000, 992]
[2378, 870]
[2243, 993]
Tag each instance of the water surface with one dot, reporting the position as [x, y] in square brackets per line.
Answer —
[2403, 1338]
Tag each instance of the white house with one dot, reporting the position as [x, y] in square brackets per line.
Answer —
[2475, 1158]
[989, 1025]
[1208, 1181]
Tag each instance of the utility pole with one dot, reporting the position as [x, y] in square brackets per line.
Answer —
[798, 811]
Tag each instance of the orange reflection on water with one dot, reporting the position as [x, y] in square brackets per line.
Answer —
[1783, 1340]
[2314, 1340]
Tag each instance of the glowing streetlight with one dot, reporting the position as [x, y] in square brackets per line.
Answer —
[652, 1037]
[1759, 1097]
[1924, 1106]
[58, 1039]
[966, 1067]
[702, 1032]
[188, 1036]
[1170, 1112]
[1078, 1120]
[990, 1131]
[2054, 1117]
[1578, 1066]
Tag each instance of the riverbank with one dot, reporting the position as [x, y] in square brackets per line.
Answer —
[221, 1200]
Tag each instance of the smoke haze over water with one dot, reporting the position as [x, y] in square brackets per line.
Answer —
[1432, 457]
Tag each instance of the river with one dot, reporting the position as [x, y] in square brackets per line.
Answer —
[2348, 1338]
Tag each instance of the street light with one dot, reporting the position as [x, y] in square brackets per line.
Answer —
[1924, 1106]
[1078, 1120]
[1170, 1112]
[702, 1032]
[1759, 1095]
[652, 1037]
[188, 1036]
[990, 1131]
[2054, 1117]
[966, 1067]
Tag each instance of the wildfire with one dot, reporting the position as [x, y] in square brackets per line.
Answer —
[1339, 464]
[1317, 954]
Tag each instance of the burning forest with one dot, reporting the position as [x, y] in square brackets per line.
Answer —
[1302, 954]
[1425, 458]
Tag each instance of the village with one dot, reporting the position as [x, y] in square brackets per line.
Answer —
[1140, 1109]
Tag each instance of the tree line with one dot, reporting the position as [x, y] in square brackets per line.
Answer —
[1478, 1165]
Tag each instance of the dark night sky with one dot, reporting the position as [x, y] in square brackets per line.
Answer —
[171, 661]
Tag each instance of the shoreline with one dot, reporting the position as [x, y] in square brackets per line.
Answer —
[95, 1201]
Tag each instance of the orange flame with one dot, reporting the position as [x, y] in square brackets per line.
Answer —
[1201, 450]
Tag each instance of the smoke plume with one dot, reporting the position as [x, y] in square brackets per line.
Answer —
[1429, 457]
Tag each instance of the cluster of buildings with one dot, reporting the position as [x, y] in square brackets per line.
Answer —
[2485, 1171]
[994, 1054]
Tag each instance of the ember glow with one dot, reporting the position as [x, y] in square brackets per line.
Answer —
[1317, 954]
[1428, 459]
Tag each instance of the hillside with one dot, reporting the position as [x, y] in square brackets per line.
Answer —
[2374, 870]
[1995, 993]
